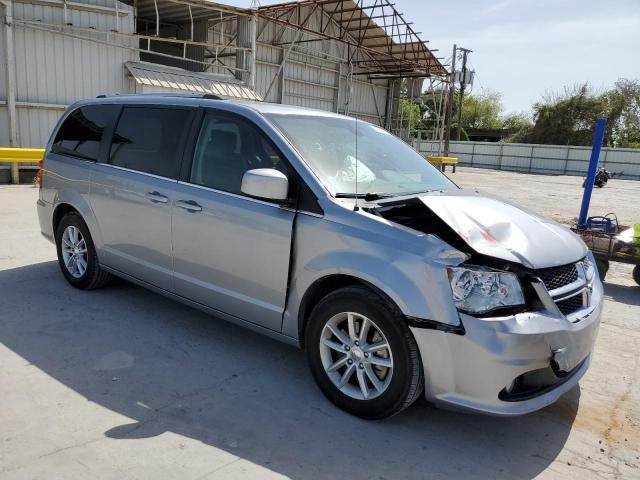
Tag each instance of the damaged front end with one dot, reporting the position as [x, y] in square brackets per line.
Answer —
[530, 262]
[528, 297]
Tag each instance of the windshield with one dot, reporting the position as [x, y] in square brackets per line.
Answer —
[341, 149]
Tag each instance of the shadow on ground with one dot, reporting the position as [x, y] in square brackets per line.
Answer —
[627, 294]
[173, 369]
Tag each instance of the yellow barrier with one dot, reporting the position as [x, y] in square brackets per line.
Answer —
[442, 162]
[21, 155]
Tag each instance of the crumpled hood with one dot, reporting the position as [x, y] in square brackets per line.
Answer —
[493, 227]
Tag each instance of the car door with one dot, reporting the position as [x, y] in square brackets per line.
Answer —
[131, 192]
[231, 252]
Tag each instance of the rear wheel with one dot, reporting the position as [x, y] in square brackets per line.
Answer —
[362, 354]
[77, 254]
[636, 274]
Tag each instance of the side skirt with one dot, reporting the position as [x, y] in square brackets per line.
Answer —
[203, 308]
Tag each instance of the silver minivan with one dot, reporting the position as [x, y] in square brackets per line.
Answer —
[328, 233]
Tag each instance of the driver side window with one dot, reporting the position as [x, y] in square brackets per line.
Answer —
[227, 147]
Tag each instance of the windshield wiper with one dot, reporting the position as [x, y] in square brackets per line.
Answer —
[368, 197]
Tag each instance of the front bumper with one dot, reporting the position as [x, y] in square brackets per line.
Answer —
[476, 371]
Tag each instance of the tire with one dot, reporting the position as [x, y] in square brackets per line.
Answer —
[399, 383]
[636, 274]
[603, 268]
[89, 277]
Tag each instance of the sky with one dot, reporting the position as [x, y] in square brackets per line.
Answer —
[523, 49]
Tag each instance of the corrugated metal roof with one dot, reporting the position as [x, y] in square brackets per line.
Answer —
[178, 79]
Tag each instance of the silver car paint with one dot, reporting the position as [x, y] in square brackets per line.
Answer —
[408, 266]
[233, 255]
[493, 227]
[140, 248]
[467, 370]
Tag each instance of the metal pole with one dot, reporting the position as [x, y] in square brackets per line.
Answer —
[254, 52]
[598, 138]
[155, 4]
[447, 133]
[10, 71]
[115, 5]
[461, 97]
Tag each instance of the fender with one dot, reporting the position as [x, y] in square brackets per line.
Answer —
[418, 287]
[71, 184]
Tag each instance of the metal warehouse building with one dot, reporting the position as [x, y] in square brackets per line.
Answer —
[354, 57]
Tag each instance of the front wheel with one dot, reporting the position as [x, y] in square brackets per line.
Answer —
[636, 274]
[362, 354]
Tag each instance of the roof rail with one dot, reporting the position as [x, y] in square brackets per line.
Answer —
[206, 96]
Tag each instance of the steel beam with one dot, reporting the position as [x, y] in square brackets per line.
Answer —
[10, 72]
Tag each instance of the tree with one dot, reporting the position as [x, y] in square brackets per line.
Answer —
[625, 99]
[517, 121]
[482, 110]
[411, 115]
[569, 117]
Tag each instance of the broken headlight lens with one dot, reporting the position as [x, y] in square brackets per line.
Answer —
[480, 291]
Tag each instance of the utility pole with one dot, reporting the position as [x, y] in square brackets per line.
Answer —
[463, 74]
[452, 88]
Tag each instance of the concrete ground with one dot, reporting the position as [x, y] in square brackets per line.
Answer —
[122, 383]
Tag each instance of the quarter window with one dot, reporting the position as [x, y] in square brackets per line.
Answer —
[81, 133]
[227, 147]
[149, 140]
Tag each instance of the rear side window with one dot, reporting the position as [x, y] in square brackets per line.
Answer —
[149, 140]
[81, 133]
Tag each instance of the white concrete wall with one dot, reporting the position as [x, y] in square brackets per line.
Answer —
[546, 159]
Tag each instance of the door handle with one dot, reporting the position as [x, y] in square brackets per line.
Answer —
[156, 197]
[189, 205]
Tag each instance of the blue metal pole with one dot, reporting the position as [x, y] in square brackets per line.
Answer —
[598, 138]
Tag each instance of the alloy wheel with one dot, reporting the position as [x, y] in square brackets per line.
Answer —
[74, 251]
[356, 356]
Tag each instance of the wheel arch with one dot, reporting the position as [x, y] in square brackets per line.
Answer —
[67, 202]
[60, 211]
[329, 284]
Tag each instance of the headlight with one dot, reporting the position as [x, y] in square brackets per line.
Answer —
[589, 266]
[479, 291]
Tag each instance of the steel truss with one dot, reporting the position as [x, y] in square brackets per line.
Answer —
[389, 46]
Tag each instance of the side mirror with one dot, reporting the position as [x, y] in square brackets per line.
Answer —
[267, 183]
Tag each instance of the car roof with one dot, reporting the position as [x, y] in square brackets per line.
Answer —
[205, 100]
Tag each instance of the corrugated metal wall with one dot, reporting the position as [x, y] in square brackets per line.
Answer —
[315, 74]
[54, 70]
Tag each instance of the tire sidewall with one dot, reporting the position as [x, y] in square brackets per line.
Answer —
[356, 300]
[75, 220]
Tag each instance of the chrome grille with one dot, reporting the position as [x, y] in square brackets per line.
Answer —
[557, 277]
[565, 286]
